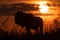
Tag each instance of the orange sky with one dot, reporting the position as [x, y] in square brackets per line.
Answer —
[24, 1]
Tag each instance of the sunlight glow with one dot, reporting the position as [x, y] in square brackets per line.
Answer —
[43, 8]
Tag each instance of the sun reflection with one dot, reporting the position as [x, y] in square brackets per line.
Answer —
[43, 8]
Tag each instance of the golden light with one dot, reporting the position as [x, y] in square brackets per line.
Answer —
[43, 8]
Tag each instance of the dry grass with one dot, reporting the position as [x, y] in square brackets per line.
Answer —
[7, 24]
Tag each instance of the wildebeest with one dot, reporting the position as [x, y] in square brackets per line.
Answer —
[29, 21]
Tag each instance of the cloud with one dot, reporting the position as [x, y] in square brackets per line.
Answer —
[15, 1]
[21, 0]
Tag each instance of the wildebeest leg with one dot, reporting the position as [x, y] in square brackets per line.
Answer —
[41, 30]
[37, 30]
[28, 30]
[41, 27]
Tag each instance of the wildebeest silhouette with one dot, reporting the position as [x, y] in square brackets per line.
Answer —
[29, 21]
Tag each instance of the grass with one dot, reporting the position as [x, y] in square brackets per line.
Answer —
[53, 36]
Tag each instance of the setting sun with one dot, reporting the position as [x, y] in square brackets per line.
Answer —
[43, 8]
